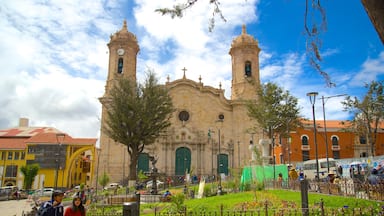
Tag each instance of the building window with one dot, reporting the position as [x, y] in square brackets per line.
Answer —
[183, 116]
[120, 66]
[11, 171]
[22, 156]
[3, 155]
[363, 140]
[17, 155]
[248, 69]
[304, 140]
[363, 154]
[336, 154]
[10, 155]
[31, 149]
[305, 155]
[335, 141]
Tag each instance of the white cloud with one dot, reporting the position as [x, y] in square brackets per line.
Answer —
[370, 70]
[55, 59]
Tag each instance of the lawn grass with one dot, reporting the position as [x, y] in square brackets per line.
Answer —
[253, 200]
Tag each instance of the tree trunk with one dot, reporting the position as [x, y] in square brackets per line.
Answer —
[133, 166]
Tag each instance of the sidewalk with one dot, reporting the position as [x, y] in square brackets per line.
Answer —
[15, 207]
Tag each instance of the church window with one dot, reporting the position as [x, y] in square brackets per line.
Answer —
[120, 66]
[304, 140]
[221, 117]
[183, 116]
[248, 69]
[335, 141]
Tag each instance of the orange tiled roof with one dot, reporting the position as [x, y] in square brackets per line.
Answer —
[26, 131]
[50, 138]
[329, 123]
[19, 137]
[12, 143]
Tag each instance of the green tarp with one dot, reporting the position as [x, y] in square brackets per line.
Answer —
[261, 173]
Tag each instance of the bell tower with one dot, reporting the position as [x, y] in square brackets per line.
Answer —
[123, 50]
[245, 66]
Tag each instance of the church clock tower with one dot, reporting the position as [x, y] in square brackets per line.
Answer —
[245, 66]
[123, 50]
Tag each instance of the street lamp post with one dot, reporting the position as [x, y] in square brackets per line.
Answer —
[312, 99]
[97, 169]
[219, 167]
[238, 153]
[60, 138]
[325, 127]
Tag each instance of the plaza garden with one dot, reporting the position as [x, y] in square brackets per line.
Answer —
[255, 200]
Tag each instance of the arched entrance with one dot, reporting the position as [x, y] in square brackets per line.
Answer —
[222, 161]
[143, 162]
[183, 161]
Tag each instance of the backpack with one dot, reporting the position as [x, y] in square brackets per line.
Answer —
[43, 209]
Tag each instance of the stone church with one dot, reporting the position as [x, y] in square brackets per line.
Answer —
[210, 134]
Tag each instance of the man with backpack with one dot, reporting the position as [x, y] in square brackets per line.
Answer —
[54, 207]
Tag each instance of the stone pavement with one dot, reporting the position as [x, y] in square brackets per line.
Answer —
[15, 207]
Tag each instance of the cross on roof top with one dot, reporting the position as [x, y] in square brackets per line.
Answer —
[184, 69]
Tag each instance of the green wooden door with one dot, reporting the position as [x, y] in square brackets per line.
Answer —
[183, 161]
[222, 161]
[143, 163]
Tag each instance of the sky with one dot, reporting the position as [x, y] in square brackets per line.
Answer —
[54, 54]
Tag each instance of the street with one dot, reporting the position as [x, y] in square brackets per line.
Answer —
[15, 207]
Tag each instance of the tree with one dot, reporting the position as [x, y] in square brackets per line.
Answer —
[275, 111]
[368, 112]
[137, 115]
[30, 172]
[103, 180]
[177, 11]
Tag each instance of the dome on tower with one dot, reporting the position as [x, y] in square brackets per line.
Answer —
[244, 39]
[123, 34]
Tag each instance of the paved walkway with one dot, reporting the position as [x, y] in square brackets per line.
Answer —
[15, 207]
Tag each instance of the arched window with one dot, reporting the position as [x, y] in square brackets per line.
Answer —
[248, 69]
[120, 66]
[335, 141]
[363, 140]
[304, 140]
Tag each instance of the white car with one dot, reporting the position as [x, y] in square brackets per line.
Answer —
[45, 192]
[158, 183]
[112, 186]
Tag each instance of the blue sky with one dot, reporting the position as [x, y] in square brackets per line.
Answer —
[54, 56]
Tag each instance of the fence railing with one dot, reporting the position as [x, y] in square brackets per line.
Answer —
[345, 187]
[266, 210]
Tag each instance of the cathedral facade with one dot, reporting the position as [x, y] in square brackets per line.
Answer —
[210, 134]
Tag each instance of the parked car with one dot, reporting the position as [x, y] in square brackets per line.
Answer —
[112, 186]
[44, 192]
[158, 183]
[4, 195]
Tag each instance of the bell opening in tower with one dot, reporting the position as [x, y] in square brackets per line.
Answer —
[248, 69]
[120, 66]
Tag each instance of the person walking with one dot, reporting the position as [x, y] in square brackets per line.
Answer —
[76, 209]
[54, 207]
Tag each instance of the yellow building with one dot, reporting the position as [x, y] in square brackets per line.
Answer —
[64, 161]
